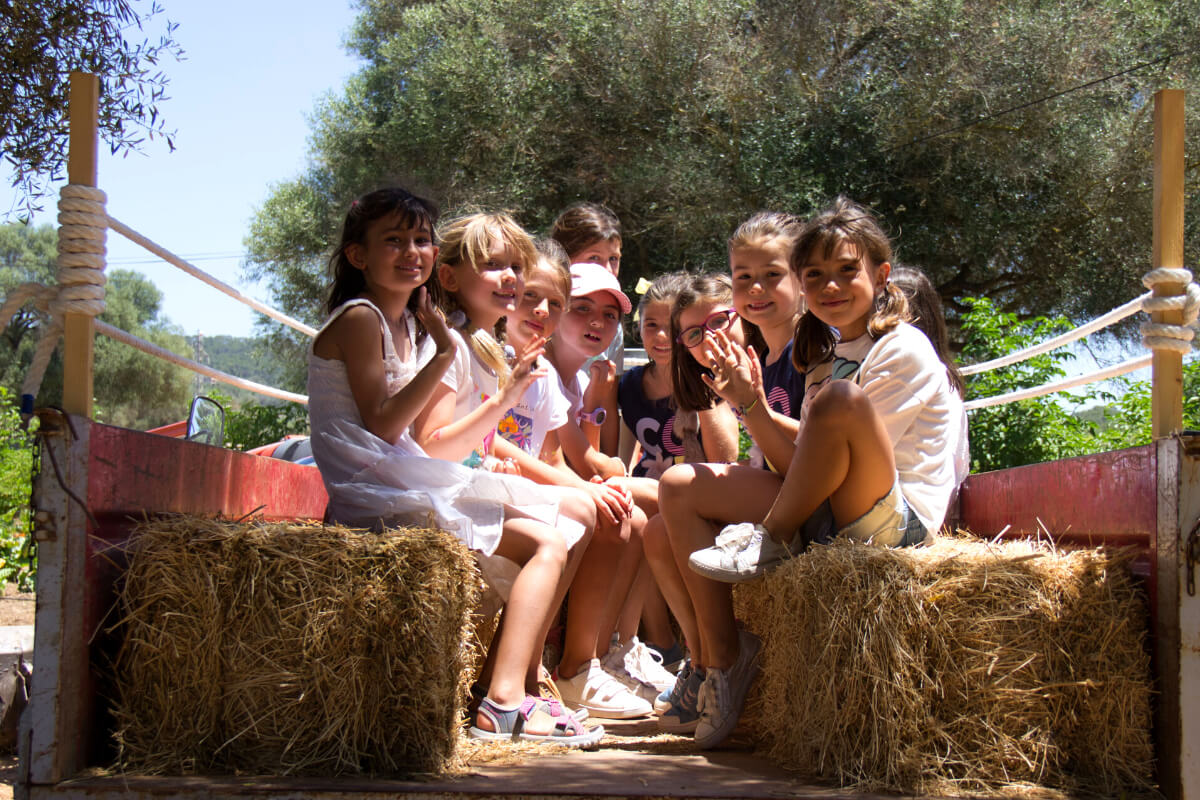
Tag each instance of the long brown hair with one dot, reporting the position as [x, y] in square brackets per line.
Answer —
[846, 221]
[925, 305]
[764, 227]
[691, 393]
[348, 280]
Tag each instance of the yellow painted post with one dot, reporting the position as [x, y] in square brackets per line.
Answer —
[79, 329]
[1166, 416]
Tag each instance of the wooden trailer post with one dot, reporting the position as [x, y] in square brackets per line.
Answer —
[79, 329]
[1177, 608]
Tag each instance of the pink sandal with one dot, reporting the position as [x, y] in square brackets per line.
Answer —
[511, 724]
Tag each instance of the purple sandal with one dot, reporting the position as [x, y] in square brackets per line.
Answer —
[511, 724]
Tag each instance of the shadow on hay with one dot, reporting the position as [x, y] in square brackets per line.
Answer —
[292, 649]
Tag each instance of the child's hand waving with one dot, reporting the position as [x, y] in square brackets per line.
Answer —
[431, 317]
[736, 377]
[525, 371]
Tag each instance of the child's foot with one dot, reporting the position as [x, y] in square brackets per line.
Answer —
[601, 694]
[742, 551]
[681, 715]
[723, 693]
[535, 720]
[638, 667]
[671, 658]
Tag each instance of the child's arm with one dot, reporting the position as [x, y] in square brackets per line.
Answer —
[585, 459]
[737, 379]
[443, 436]
[601, 392]
[719, 434]
[358, 341]
[610, 500]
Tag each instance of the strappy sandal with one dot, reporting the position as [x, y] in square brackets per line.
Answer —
[511, 725]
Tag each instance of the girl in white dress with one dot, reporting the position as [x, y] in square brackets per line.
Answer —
[373, 368]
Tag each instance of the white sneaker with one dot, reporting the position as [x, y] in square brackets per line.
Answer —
[647, 665]
[742, 551]
[723, 693]
[601, 694]
[615, 664]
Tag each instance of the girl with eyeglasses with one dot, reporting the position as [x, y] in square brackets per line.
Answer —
[759, 317]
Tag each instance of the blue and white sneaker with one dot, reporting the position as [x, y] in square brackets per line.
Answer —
[682, 715]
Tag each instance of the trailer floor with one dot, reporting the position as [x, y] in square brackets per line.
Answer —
[626, 766]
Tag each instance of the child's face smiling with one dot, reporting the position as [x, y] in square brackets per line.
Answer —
[840, 290]
[591, 323]
[394, 258]
[605, 252]
[539, 310]
[489, 290]
[697, 314]
[765, 290]
[656, 332]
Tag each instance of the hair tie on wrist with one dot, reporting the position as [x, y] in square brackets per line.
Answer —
[753, 403]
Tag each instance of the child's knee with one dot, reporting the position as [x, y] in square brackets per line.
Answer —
[675, 484]
[612, 532]
[578, 506]
[839, 401]
[655, 543]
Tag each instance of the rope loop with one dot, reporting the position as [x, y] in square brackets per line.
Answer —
[1163, 336]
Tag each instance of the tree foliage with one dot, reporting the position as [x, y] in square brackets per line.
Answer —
[686, 116]
[43, 42]
[132, 389]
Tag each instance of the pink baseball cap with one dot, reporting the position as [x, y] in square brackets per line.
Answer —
[588, 278]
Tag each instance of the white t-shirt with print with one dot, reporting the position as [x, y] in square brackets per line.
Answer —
[472, 383]
[908, 387]
[543, 408]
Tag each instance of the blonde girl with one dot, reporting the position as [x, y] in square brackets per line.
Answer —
[373, 368]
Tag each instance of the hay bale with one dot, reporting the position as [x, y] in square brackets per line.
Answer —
[292, 649]
[961, 668]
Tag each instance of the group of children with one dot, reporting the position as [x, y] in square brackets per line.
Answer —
[471, 375]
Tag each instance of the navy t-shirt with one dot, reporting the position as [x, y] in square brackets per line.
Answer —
[652, 422]
[784, 384]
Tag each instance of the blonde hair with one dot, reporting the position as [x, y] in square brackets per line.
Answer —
[846, 221]
[468, 240]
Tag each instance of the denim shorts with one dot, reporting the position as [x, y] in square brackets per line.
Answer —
[890, 522]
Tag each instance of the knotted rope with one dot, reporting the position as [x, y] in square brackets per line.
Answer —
[1161, 336]
[80, 290]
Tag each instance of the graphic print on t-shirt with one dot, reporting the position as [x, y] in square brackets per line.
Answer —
[518, 429]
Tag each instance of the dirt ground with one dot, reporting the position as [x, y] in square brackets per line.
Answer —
[8, 774]
[16, 608]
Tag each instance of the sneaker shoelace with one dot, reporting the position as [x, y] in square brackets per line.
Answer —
[738, 539]
[713, 693]
[616, 664]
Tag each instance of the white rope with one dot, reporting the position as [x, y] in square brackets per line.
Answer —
[216, 374]
[1162, 336]
[1116, 315]
[1060, 386]
[196, 272]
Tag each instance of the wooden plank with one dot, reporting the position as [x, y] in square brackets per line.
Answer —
[59, 714]
[1166, 413]
[1189, 634]
[134, 472]
[79, 329]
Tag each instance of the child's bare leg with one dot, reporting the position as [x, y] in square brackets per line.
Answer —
[695, 501]
[542, 554]
[848, 440]
[630, 618]
[656, 619]
[622, 581]
[578, 506]
[589, 591]
[662, 562]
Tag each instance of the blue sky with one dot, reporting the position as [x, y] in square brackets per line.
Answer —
[239, 102]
